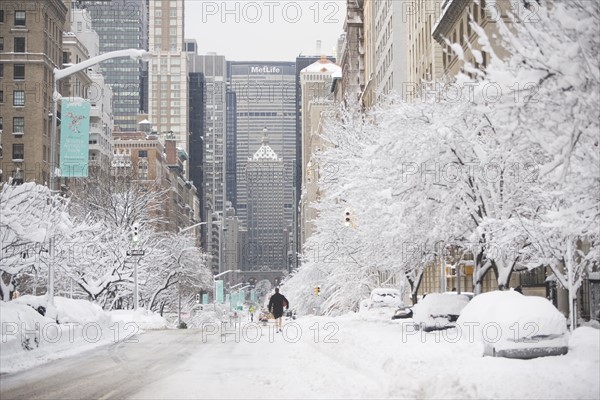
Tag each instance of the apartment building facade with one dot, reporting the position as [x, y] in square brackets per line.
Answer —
[31, 36]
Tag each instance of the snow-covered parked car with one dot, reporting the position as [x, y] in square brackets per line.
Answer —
[439, 310]
[382, 301]
[509, 324]
[384, 297]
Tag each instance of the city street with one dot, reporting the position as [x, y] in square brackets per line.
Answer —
[346, 357]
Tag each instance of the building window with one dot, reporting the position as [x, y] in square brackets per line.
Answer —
[18, 151]
[19, 18]
[19, 45]
[1, 96]
[1, 70]
[18, 125]
[143, 153]
[79, 26]
[19, 71]
[0, 124]
[1, 16]
[1, 44]
[18, 98]
[65, 57]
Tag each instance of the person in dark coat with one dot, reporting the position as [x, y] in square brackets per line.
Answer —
[276, 304]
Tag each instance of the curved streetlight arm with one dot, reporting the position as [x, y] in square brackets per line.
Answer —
[63, 73]
[135, 54]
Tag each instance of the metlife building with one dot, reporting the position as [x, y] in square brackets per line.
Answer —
[265, 93]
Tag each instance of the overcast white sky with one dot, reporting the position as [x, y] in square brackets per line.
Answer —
[278, 30]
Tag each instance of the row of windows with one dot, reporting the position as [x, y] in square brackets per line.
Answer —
[18, 98]
[18, 125]
[18, 71]
[20, 18]
[18, 44]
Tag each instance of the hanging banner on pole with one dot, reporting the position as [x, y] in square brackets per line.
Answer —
[219, 291]
[205, 298]
[74, 137]
[234, 300]
[252, 296]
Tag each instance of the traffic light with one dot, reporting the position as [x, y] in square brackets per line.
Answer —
[317, 290]
[197, 298]
[136, 231]
[347, 217]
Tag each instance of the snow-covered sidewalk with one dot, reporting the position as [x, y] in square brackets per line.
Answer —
[67, 328]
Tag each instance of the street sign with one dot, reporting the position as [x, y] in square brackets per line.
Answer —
[135, 252]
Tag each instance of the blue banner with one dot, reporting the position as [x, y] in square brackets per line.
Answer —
[74, 137]
[234, 300]
[204, 298]
[219, 291]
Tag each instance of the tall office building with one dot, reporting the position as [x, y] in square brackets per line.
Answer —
[197, 112]
[214, 69]
[317, 99]
[231, 144]
[301, 63]
[122, 24]
[265, 94]
[266, 248]
[167, 71]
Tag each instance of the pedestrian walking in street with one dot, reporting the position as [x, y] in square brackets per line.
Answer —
[251, 313]
[276, 304]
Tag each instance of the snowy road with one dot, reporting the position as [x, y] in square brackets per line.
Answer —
[314, 358]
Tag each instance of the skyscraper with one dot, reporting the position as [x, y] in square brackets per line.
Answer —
[266, 248]
[122, 24]
[301, 63]
[213, 68]
[231, 144]
[265, 94]
[167, 71]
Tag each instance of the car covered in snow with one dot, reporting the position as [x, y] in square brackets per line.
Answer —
[381, 302]
[509, 324]
[382, 298]
[438, 311]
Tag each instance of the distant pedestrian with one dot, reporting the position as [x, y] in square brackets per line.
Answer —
[251, 313]
[276, 304]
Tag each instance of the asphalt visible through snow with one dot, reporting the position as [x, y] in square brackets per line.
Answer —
[113, 371]
[250, 361]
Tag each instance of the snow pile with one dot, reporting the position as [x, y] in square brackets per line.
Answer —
[142, 318]
[507, 319]
[434, 308]
[67, 327]
[584, 341]
[17, 320]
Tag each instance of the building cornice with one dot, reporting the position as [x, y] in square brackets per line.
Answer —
[448, 18]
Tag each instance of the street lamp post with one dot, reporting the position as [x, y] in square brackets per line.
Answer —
[58, 75]
[73, 69]
[215, 283]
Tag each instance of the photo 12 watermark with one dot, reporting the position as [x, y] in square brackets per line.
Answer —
[253, 12]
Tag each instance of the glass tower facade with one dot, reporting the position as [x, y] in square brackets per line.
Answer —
[122, 24]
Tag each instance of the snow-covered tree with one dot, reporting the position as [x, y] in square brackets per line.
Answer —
[105, 210]
[548, 111]
[30, 218]
[174, 265]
